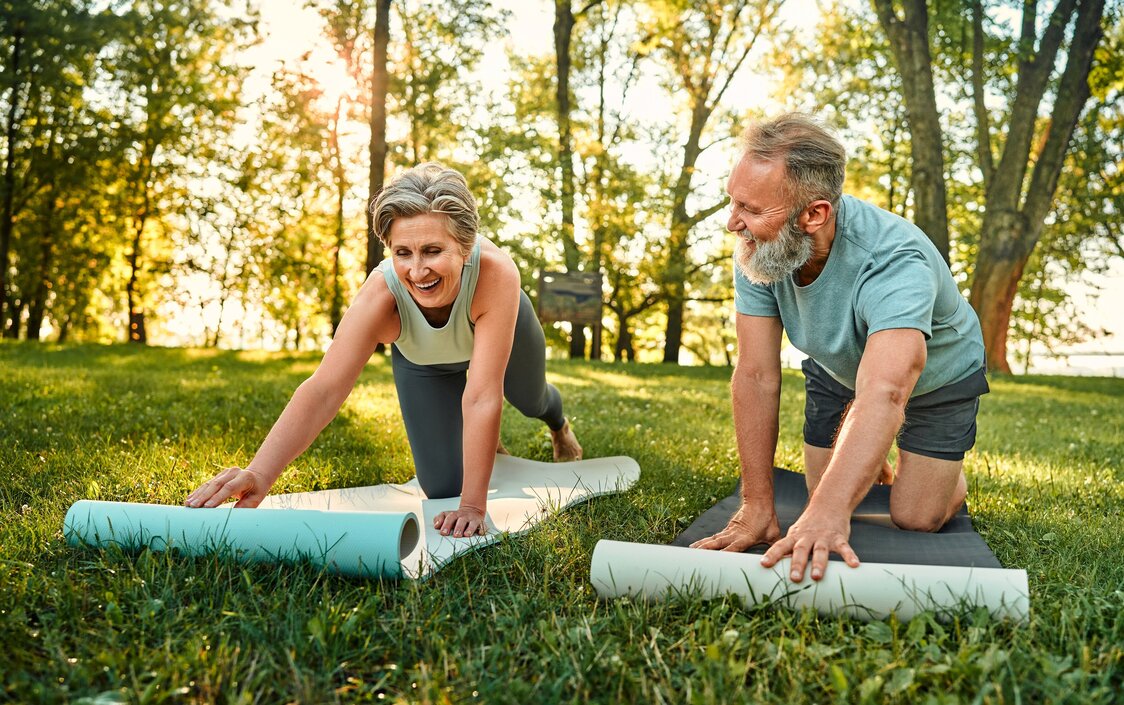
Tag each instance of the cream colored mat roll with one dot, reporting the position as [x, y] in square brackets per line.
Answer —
[872, 591]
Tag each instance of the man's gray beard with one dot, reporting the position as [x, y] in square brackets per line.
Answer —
[776, 259]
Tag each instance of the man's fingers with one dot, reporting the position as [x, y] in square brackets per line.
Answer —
[800, 553]
[777, 551]
[739, 543]
[819, 560]
[719, 540]
[847, 553]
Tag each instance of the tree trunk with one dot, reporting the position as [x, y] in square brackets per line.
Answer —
[38, 305]
[9, 167]
[909, 40]
[136, 330]
[999, 266]
[623, 350]
[13, 329]
[563, 33]
[335, 308]
[380, 80]
[675, 271]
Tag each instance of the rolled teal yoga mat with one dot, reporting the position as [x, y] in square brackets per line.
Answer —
[369, 544]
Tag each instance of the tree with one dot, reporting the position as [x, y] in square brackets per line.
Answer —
[173, 67]
[1015, 210]
[909, 41]
[564, 20]
[1005, 125]
[703, 46]
[348, 24]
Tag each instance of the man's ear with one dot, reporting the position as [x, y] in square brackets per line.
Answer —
[815, 216]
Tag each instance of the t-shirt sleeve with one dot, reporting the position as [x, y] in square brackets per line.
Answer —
[753, 299]
[899, 293]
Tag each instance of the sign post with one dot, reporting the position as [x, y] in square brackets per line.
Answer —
[571, 296]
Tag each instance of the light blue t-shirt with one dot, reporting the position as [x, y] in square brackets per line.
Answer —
[882, 272]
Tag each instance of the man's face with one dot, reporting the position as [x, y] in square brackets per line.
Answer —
[771, 244]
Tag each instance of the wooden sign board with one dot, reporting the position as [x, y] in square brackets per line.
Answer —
[570, 296]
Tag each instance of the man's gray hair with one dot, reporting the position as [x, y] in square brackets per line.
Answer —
[428, 188]
[814, 159]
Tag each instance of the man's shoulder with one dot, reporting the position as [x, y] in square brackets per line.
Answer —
[878, 231]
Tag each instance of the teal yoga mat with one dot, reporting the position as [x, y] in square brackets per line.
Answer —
[368, 544]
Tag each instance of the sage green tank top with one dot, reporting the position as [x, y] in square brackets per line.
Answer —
[420, 342]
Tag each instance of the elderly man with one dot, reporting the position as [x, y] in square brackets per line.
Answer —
[894, 350]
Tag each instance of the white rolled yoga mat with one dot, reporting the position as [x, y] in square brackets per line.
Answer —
[872, 591]
[384, 530]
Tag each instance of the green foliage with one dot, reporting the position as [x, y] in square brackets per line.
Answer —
[849, 71]
[517, 622]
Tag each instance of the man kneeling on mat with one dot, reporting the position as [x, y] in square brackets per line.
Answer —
[894, 350]
[464, 336]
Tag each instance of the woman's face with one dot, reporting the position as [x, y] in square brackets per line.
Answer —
[427, 260]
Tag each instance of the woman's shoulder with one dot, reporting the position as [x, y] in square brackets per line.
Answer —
[496, 265]
[376, 299]
[494, 260]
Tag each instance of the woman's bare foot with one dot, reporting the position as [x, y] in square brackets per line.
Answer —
[886, 476]
[566, 446]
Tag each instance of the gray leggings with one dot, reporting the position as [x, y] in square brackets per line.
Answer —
[430, 397]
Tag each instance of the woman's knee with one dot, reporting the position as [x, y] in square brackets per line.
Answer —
[439, 484]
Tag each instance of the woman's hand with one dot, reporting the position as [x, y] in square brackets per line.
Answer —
[464, 522]
[248, 487]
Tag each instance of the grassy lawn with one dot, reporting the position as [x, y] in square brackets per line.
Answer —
[518, 622]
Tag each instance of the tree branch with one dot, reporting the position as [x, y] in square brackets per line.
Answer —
[701, 215]
[983, 128]
[1073, 92]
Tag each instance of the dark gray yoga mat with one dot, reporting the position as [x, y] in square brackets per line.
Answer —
[873, 537]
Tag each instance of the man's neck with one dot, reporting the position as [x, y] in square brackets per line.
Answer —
[822, 240]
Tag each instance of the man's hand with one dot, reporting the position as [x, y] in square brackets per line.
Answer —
[248, 487]
[746, 528]
[814, 534]
[465, 521]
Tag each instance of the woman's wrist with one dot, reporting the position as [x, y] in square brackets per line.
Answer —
[476, 504]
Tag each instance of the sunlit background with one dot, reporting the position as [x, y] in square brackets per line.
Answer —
[294, 45]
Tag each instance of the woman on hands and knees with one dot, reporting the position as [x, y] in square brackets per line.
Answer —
[463, 336]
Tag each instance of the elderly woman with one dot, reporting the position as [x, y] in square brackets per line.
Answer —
[464, 336]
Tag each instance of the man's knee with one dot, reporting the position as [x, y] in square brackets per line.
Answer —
[928, 522]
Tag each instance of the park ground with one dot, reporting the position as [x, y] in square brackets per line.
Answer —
[518, 622]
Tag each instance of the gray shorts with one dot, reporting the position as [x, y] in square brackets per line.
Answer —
[938, 424]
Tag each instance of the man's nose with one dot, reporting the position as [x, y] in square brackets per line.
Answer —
[734, 224]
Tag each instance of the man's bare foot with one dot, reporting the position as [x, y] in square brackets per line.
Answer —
[566, 446]
[500, 450]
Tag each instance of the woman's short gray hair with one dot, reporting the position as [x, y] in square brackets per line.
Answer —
[814, 159]
[428, 188]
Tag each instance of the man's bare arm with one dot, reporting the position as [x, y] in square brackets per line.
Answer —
[755, 391]
[887, 374]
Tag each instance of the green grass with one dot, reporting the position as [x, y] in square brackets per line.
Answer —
[519, 622]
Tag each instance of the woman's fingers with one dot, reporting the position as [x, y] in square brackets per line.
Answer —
[230, 483]
[459, 525]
